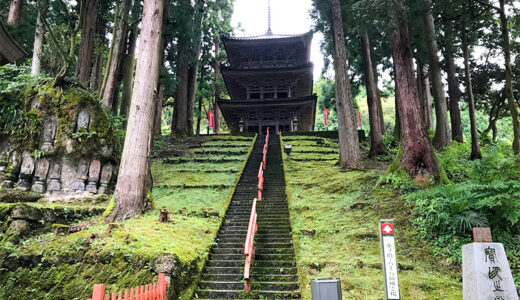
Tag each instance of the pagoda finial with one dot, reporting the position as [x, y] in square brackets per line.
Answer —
[269, 32]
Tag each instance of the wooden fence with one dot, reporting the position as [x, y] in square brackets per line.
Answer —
[153, 291]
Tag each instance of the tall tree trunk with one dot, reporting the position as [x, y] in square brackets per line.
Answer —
[130, 190]
[427, 104]
[128, 72]
[86, 47]
[349, 156]
[216, 126]
[38, 45]
[454, 93]
[475, 145]
[376, 136]
[97, 66]
[15, 12]
[417, 152]
[192, 90]
[379, 102]
[180, 120]
[397, 125]
[158, 111]
[108, 89]
[420, 92]
[509, 77]
[442, 136]
[96, 71]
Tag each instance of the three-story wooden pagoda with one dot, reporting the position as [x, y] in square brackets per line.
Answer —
[270, 81]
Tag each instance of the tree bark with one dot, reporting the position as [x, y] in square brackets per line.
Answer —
[192, 90]
[427, 104]
[130, 190]
[128, 72]
[38, 45]
[15, 12]
[376, 136]
[442, 136]
[420, 91]
[96, 71]
[158, 111]
[417, 152]
[216, 126]
[116, 52]
[509, 77]
[454, 94]
[397, 125]
[475, 145]
[180, 121]
[86, 48]
[350, 156]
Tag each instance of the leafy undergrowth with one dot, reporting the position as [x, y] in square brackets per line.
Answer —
[130, 253]
[335, 216]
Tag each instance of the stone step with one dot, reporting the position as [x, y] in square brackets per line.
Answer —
[256, 263]
[237, 294]
[258, 235]
[254, 270]
[278, 257]
[263, 246]
[258, 251]
[240, 277]
[256, 285]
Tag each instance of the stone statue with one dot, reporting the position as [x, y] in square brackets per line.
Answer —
[49, 132]
[40, 174]
[106, 175]
[82, 173]
[35, 104]
[93, 176]
[12, 170]
[54, 175]
[83, 120]
[26, 171]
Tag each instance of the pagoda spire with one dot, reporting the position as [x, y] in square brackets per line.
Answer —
[269, 32]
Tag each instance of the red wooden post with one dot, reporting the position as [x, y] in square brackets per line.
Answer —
[98, 292]
[162, 284]
[107, 297]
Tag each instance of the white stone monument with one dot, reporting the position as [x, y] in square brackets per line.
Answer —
[486, 273]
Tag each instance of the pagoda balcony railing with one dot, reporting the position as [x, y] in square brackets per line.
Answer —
[268, 64]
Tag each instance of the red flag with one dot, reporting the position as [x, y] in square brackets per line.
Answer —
[210, 119]
[359, 119]
[326, 116]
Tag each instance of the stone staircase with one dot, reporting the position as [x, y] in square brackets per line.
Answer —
[273, 270]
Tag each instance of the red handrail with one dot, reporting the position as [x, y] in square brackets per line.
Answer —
[249, 249]
[154, 291]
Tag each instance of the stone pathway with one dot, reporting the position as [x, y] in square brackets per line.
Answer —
[274, 273]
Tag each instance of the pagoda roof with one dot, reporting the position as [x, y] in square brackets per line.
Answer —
[305, 106]
[300, 78]
[10, 51]
[240, 49]
[264, 37]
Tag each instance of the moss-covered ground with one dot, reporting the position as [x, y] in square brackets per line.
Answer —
[50, 266]
[335, 215]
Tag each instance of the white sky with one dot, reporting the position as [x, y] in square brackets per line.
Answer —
[287, 17]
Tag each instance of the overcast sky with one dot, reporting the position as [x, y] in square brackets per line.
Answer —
[287, 17]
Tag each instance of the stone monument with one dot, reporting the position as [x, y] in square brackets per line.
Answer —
[485, 269]
[26, 171]
[106, 175]
[42, 168]
[83, 120]
[49, 132]
[54, 175]
[93, 176]
[82, 172]
[12, 171]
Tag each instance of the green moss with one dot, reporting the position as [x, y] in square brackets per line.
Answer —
[344, 210]
[110, 207]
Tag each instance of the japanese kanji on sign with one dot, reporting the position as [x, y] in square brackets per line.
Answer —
[358, 113]
[326, 116]
[386, 230]
[210, 119]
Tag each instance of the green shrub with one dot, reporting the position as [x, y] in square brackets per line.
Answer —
[446, 214]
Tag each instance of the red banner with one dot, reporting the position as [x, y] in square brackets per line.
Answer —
[359, 119]
[211, 120]
[326, 116]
